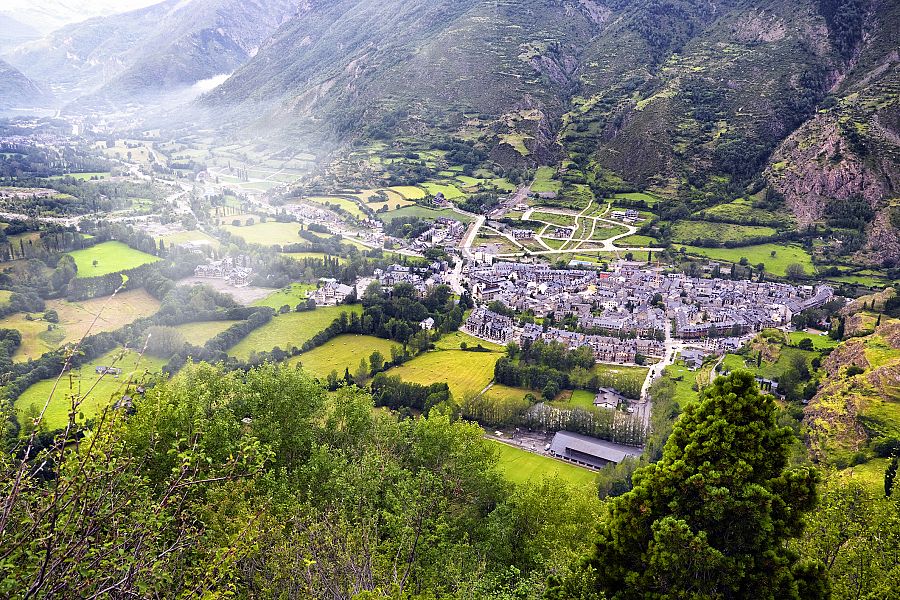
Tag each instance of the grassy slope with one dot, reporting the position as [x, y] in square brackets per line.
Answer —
[343, 352]
[111, 257]
[199, 333]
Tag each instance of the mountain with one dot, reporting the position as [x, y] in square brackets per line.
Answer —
[702, 102]
[14, 32]
[17, 91]
[154, 49]
[49, 15]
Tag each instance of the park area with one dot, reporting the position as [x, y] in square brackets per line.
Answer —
[289, 330]
[96, 390]
[109, 257]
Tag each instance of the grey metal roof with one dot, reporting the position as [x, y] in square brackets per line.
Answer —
[564, 441]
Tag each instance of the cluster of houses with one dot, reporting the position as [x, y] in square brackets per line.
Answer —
[232, 269]
[446, 233]
[331, 293]
[422, 278]
[499, 328]
[628, 313]
[627, 216]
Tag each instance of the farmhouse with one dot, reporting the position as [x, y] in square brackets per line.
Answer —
[608, 398]
[588, 451]
[331, 294]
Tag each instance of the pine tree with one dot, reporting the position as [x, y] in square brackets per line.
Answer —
[711, 519]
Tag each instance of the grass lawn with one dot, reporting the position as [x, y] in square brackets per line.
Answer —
[84, 176]
[560, 220]
[684, 381]
[199, 333]
[410, 192]
[288, 330]
[80, 381]
[269, 233]
[520, 466]
[75, 318]
[575, 399]
[292, 295]
[777, 265]
[111, 257]
[465, 372]
[638, 241]
[650, 200]
[686, 232]
[343, 352]
[504, 393]
[423, 212]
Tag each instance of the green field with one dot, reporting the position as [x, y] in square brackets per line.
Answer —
[183, 237]
[450, 191]
[638, 241]
[269, 233]
[292, 295]
[777, 265]
[423, 212]
[686, 232]
[575, 399]
[199, 333]
[84, 176]
[410, 192]
[520, 466]
[79, 381]
[343, 352]
[647, 198]
[452, 341]
[560, 220]
[544, 182]
[288, 330]
[350, 206]
[5, 296]
[820, 342]
[111, 257]
[465, 372]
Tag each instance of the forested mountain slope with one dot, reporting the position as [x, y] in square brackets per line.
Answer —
[17, 91]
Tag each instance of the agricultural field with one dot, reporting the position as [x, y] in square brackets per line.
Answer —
[343, 352]
[75, 318]
[292, 295]
[201, 332]
[423, 212]
[686, 232]
[520, 466]
[785, 254]
[288, 330]
[450, 191]
[465, 372]
[110, 257]
[183, 237]
[410, 192]
[106, 388]
[270, 233]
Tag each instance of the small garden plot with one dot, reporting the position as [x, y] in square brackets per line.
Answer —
[109, 257]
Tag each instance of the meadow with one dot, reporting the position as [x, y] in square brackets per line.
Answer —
[201, 332]
[465, 372]
[269, 233]
[288, 330]
[111, 257]
[410, 192]
[75, 318]
[350, 206]
[108, 388]
[686, 232]
[520, 466]
[316, 255]
[292, 295]
[450, 191]
[343, 352]
[423, 212]
[785, 254]
[544, 182]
